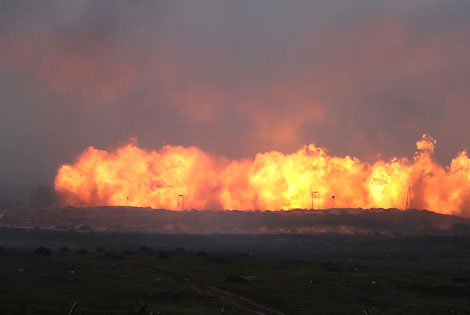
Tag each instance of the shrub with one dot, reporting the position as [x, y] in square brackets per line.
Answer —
[42, 251]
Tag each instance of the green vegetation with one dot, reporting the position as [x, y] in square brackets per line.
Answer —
[44, 284]
[406, 277]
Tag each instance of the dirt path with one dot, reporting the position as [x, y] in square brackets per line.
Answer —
[226, 297]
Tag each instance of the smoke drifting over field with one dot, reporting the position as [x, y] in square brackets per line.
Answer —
[234, 79]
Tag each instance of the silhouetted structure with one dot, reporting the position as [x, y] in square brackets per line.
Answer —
[182, 202]
[409, 200]
[316, 194]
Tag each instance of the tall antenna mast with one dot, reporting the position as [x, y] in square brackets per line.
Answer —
[466, 181]
[315, 194]
[182, 202]
[409, 199]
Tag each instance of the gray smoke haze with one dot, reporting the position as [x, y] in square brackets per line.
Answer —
[363, 78]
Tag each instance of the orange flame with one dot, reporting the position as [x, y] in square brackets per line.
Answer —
[273, 180]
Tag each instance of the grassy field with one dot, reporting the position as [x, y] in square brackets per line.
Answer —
[416, 276]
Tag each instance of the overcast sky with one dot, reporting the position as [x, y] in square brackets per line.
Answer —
[363, 78]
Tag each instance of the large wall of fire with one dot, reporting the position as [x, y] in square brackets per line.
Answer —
[307, 178]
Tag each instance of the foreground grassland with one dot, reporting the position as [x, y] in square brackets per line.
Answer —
[415, 276]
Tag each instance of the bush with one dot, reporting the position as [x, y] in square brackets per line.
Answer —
[82, 252]
[64, 250]
[163, 254]
[179, 250]
[144, 249]
[110, 255]
[42, 251]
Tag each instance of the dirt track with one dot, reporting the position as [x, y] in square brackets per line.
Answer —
[226, 297]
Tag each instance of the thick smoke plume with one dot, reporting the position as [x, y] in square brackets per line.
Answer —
[233, 78]
[307, 178]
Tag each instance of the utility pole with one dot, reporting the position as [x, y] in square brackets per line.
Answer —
[314, 195]
[466, 181]
[182, 202]
[28, 226]
[333, 199]
[409, 199]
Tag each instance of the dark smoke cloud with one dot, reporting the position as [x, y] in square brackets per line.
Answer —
[234, 78]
